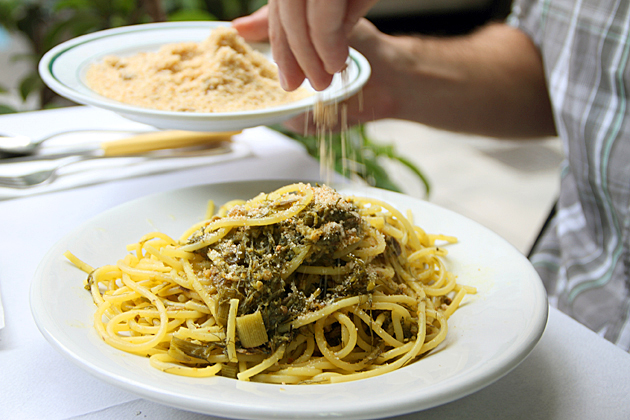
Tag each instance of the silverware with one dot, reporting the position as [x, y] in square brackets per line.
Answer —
[48, 175]
[146, 141]
[12, 146]
[41, 177]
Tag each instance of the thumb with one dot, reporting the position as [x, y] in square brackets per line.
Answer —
[254, 27]
[355, 11]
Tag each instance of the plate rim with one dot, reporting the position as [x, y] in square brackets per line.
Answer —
[371, 409]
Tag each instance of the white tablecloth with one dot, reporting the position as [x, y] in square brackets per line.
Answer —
[571, 374]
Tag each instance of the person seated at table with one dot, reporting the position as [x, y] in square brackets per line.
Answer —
[554, 67]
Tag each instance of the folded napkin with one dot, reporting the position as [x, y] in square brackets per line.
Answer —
[76, 172]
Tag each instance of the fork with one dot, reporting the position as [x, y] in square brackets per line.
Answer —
[47, 176]
[42, 177]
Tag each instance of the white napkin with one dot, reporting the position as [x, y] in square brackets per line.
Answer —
[99, 170]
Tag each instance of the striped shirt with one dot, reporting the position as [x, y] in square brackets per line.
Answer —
[584, 255]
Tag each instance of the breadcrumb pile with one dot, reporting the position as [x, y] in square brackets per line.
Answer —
[220, 74]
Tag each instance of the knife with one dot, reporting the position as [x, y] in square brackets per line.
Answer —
[136, 144]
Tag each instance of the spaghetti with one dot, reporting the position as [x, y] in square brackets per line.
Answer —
[301, 285]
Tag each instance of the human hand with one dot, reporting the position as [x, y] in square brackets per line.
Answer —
[309, 38]
[254, 27]
[379, 98]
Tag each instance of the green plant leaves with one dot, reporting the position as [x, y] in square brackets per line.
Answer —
[5, 109]
[30, 84]
[190, 15]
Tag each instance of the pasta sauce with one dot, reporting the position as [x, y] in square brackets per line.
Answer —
[299, 285]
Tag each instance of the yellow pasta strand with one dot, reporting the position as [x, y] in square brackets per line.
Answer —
[167, 300]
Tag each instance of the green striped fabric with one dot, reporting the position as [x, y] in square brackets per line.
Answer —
[584, 257]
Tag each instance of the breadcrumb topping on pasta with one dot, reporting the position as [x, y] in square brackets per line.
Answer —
[251, 262]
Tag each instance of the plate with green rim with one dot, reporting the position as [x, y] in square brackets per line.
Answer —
[64, 67]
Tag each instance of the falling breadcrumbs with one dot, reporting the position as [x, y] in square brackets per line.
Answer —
[220, 74]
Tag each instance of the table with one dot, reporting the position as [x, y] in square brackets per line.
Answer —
[571, 374]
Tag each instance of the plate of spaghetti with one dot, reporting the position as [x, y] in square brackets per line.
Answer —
[265, 300]
[197, 76]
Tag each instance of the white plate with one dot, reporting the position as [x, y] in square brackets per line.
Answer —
[490, 335]
[63, 69]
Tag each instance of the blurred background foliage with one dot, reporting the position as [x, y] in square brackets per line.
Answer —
[47, 23]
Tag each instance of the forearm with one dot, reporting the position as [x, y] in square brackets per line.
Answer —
[490, 82]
